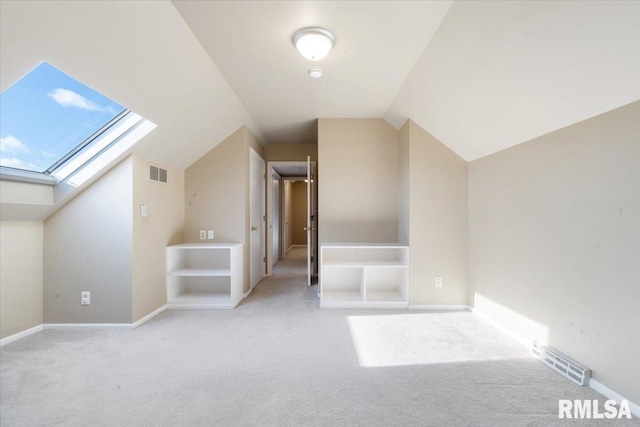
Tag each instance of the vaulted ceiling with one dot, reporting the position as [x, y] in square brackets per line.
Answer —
[479, 76]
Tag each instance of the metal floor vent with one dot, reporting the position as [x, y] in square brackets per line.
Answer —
[563, 364]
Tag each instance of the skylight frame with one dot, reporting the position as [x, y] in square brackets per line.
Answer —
[84, 144]
[110, 141]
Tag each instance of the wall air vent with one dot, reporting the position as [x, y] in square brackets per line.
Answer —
[158, 174]
[563, 364]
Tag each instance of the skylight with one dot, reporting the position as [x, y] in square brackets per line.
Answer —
[52, 124]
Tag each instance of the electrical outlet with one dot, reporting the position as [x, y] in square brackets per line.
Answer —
[203, 234]
[85, 298]
[438, 282]
[210, 234]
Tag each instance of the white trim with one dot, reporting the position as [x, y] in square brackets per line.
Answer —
[246, 295]
[440, 307]
[148, 316]
[17, 336]
[88, 326]
[607, 392]
[594, 384]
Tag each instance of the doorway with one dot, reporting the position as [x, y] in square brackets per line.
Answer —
[291, 214]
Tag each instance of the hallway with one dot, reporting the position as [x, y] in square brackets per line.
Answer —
[289, 282]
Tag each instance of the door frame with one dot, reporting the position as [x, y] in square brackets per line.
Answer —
[269, 230]
[254, 156]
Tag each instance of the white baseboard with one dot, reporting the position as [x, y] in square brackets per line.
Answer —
[148, 316]
[39, 328]
[595, 385]
[25, 333]
[248, 293]
[607, 392]
[440, 307]
[88, 326]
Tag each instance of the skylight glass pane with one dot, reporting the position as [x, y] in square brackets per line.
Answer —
[46, 115]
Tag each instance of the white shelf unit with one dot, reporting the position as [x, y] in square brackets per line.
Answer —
[364, 276]
[204, 275]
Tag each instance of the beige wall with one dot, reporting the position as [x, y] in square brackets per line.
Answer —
[554, 243]
[88, 247]
[437, 220]
[21, 246]
[290, 152]
[299, 212]
[217, 193]
[358, 159]
[162, 226]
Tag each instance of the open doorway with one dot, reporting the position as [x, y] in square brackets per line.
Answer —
[292, 216]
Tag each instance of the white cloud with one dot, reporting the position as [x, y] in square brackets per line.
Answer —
[10, 144]
[68, 98]
[16, 163]
[47, 154]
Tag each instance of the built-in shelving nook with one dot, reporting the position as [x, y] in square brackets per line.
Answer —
[204, 275]
[364, 275]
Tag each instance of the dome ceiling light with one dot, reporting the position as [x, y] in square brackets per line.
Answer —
[313, 43]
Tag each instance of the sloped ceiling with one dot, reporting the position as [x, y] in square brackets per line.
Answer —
[500, 73]
[480, 76]
[140, 54]
[377, 45]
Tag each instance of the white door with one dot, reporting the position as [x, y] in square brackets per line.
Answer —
[256, 218]
[275, 218]
[310, 223]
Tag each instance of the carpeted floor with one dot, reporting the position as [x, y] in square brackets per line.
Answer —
[278, 360]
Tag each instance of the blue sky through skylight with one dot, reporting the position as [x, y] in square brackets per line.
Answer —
[45, 115]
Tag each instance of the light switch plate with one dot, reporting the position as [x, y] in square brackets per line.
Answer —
[143, 210]
[438, 282]
[210, 234]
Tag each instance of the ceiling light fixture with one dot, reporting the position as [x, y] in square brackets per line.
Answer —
[313, 43]
[315, 73]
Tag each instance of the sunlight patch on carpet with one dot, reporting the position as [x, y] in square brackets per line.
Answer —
[428, 338]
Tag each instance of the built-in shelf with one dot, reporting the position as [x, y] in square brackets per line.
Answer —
[204, 275]
[201, 272]
[366, 276]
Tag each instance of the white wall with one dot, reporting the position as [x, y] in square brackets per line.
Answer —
[437, 230]
[21, 246]
[554, 243]
[88, 247]
[359, 164]
[162, 226]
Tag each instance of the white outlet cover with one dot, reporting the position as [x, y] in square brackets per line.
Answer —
[203, 234]
[438, 282]
[210, 234]
[143, 210]
[85, 298]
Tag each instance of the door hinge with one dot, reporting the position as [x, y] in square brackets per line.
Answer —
[264, 259]
[264, 217]
[311, 259]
